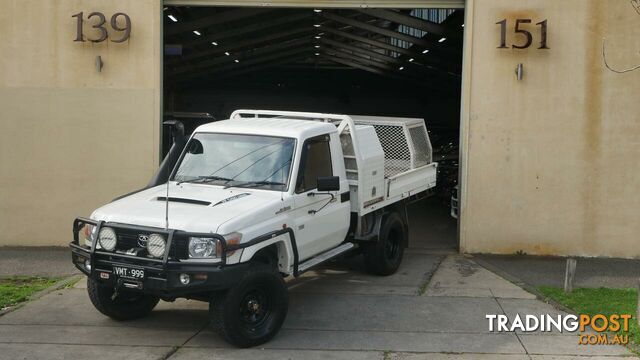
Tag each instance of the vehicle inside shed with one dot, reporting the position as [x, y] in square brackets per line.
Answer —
[365, 61]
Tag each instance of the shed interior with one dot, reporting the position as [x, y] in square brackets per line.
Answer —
[365, 61]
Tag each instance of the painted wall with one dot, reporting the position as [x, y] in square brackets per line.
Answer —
[552, 160]
[72, 138]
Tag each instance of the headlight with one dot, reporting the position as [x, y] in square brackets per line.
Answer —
[202, 247]
[156, 245]
[107, 238]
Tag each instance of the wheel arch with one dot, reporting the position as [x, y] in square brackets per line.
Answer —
[280, 246]
[379, 220]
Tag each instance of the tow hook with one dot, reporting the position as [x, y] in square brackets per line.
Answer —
[115, 293]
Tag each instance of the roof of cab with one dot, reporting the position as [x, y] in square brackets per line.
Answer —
[269, 126]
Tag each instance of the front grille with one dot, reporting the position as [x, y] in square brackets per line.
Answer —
[128, 239]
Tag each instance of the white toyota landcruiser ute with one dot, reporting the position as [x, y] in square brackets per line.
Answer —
[249, 201]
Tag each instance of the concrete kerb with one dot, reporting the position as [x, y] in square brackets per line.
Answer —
[60, 284]
[532, 289]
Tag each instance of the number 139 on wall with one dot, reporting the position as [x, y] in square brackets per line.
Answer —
[100, 27]
[528, 37]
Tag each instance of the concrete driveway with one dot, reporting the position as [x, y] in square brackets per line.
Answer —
[337, 312]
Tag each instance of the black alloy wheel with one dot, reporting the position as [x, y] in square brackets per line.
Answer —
[252, 312]
[254, 308]
[385, 255]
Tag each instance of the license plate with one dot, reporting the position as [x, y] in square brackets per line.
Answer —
[127, 272]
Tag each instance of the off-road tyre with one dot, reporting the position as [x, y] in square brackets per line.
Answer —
[252, 312]
[127, 305]
[385, 255]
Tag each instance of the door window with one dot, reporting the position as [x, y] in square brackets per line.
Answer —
[315, 162]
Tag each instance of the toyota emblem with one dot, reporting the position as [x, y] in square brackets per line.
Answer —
[142, 240]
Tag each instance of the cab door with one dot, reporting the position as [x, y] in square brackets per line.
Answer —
[322, 219]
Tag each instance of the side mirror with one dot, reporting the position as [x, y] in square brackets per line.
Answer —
[195, 147]
[328, 183]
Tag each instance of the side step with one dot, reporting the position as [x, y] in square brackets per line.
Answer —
[317, 260]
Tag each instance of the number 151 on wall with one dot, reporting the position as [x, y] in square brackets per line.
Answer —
[528, 37]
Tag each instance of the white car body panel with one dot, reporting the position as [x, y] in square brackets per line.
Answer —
[145, 209]
[291, 128]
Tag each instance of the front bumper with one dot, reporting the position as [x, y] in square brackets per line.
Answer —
[162, 276]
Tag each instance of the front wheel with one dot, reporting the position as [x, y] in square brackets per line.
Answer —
[126, 305]
[252, 312]
[384, 256]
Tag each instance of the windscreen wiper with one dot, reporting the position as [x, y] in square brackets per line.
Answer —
[204, 179]
[254, 183]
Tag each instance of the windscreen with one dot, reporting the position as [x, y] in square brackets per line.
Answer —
[235, 160]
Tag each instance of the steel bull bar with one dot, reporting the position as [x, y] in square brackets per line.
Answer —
[159, 276]
[162, 276]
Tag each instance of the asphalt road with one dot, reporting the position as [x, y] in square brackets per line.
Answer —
[36, 261]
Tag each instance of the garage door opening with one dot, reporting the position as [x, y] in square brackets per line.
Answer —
[382, 62]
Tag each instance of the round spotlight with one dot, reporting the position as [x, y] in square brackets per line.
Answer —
[87, 264]
[185, 279]
[156, 245]
[107, 238]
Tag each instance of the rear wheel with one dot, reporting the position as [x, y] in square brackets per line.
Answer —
[384, 256]
[252, 312]
[126, 305]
